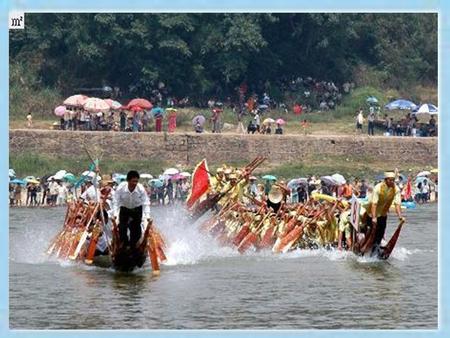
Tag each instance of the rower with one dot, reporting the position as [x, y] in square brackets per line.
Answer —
[131, 200]
[384, 195]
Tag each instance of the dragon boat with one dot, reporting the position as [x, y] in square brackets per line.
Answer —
[88, 237]
[238, 220]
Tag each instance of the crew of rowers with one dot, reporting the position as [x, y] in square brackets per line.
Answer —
[319, 218]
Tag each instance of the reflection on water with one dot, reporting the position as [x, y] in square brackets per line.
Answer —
[207, 286]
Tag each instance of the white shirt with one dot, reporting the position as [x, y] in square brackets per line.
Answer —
[54, 188]
[130, 200]
[62, 191]
[90, 194]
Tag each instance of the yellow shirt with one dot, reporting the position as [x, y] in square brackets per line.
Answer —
[384, 197]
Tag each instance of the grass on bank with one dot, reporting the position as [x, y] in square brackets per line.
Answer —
[38, 165]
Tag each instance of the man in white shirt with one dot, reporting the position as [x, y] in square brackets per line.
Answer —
[90, 194]
[62, 194]
[131, 200]
[53, 190]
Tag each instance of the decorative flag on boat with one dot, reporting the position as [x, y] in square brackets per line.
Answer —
[354, 212]
[200, 183]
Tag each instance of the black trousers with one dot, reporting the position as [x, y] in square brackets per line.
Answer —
[130, 219]
[381, 228]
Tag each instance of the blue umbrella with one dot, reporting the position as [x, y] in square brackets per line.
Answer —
[156, 183]
[18, 181]
[269, 178]
[401, 104]
[157, 111]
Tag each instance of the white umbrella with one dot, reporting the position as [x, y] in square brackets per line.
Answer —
[171, 172]
[185, 174]
[59, 175]
[339, 179]
[427, 108]
[96, 105]
[146, 176]
[423, 173]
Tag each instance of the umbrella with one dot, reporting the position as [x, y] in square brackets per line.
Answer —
[372, 99]
[427, 108]
[59, 175]
[113, 104]
[157, 111]
[69, 177]
[280, 121]
[420, 179]
[29, 178]
[60, 111]
[434, 171]
[171, 109]
[185, 174]
[141, 103]
[75, 100]
[146, 176]
[401, 104]
[12, 173]
[177, 177]
[269, 178]
[296, 182]
[94, 104]
[119, 177]
[423, 173]
[33, 181]
[263, 106]
[328, 180]
[18, 181]
[156, 183]
[268, 121]
[339, 179]
[199, 119]
[171, 172]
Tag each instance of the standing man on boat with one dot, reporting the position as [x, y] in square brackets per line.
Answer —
[384, 195]
[131, 200]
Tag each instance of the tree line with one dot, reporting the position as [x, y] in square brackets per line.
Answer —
[210, 54]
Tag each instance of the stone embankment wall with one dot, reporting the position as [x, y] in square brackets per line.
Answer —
[189, 148]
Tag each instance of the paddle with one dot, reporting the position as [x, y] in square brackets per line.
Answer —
[387, 250]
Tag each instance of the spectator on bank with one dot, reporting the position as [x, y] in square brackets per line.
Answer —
[371, 122]
[251, 127]
[257, 120]
[279, 129]
[359, 121]
[29, 120]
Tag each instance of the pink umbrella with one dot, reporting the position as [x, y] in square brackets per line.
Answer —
[177, 177]
[280, 121]
[60, 111]
[75, 100]
[94, 104]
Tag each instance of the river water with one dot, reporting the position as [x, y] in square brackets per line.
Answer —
[204, 286]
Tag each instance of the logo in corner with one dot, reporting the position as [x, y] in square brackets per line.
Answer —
[16, 20]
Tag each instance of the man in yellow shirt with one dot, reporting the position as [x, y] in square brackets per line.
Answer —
[384, 195]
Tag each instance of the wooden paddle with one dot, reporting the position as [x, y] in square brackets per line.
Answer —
[387, 250]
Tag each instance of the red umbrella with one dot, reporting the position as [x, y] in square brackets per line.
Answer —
[141, 103]
[136, 108]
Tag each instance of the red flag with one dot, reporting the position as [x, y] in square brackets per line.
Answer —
[200, 183]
